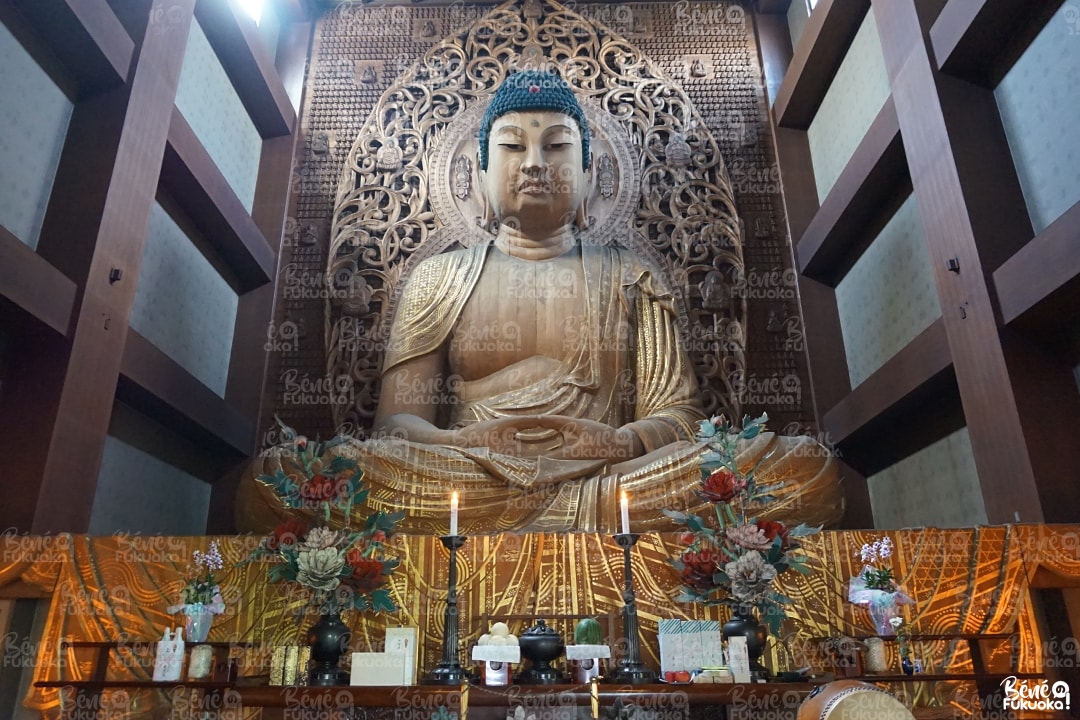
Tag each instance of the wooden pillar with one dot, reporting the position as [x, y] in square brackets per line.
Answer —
[1021, 406]
[94, 233]
[829, 378]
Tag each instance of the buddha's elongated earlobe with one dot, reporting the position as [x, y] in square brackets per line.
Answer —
[487, 213]
[581, 220]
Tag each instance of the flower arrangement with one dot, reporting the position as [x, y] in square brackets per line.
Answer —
[876, 587]
[903, 637]
[731, 558]
[202, 592]
[339, 568]
[874, 553]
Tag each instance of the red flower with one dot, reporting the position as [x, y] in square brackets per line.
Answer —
[378, 536]
[698, 569]
[287, 534]
[686, 538]
[317, 490]
[721, 486]
[367, 573]
[773, 529]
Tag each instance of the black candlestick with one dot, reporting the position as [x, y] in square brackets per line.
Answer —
[630, 671]
[449, 671]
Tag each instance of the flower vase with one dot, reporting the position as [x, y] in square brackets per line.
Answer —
[329, 639]
[883, 608]
[197, 622]
[875, 655]
[744, 624]
[907, 666]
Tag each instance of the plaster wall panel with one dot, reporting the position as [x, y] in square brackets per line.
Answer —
[209, 103]
[853, 100]
[937, 486]
[797, 15]
[1039, 104]
[34, 117]
[182, 305]
[138, 493]
[888, 297]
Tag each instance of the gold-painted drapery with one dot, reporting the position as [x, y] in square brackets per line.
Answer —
[972, 580]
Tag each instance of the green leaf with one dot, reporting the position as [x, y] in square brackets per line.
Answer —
[695, 523]
[799, 567]
[804, 530]
[277, 573]
[688, 596]
[381, 601]
[679, 517]
[706, 429]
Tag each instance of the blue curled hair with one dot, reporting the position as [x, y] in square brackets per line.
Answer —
[533, 90]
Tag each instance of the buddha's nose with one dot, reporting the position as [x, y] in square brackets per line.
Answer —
[533, 160]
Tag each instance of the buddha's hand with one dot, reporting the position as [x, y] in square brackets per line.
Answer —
[583, 439]
[499, 435]
[530, 436]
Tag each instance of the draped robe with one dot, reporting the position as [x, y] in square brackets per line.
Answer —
[622, 366]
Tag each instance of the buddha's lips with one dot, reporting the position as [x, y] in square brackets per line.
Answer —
[532, 187]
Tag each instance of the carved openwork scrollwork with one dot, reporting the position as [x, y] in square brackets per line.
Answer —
[409, 188]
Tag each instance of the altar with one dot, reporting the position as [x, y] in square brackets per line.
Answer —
[974, 583]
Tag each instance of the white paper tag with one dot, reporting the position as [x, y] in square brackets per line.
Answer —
[403, 641]
[739, 658]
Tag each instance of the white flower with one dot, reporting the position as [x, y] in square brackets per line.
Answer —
[319, 569]
[750, 576]
[750, 537]
[896, 622]
[319, 538]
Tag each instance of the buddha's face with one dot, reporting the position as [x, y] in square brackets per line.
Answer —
[534, 181]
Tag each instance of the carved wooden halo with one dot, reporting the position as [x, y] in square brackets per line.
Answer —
[672, 202]
[609, 211]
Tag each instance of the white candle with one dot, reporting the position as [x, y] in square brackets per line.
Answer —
[453, 512]
[624, 510]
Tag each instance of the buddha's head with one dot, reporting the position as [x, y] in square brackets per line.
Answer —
[534, 153]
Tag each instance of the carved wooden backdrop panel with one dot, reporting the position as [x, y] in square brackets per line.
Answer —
[387, 176]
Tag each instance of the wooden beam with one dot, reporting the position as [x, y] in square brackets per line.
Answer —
[28, 281]
[194, 181]
[917, 364]
[869, 190]
[237, 43]
[774, 7]
[29, 398]
[157, 386]
[774, 46]
[1038, 288]
[118, 234]
[973, 213]
[980, 40]
[87, 38]
[821, 49]
[906, 427]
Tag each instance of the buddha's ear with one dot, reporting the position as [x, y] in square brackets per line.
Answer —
[487, 213]
[581, 219]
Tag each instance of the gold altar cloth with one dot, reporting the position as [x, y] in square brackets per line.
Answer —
[973, 580]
